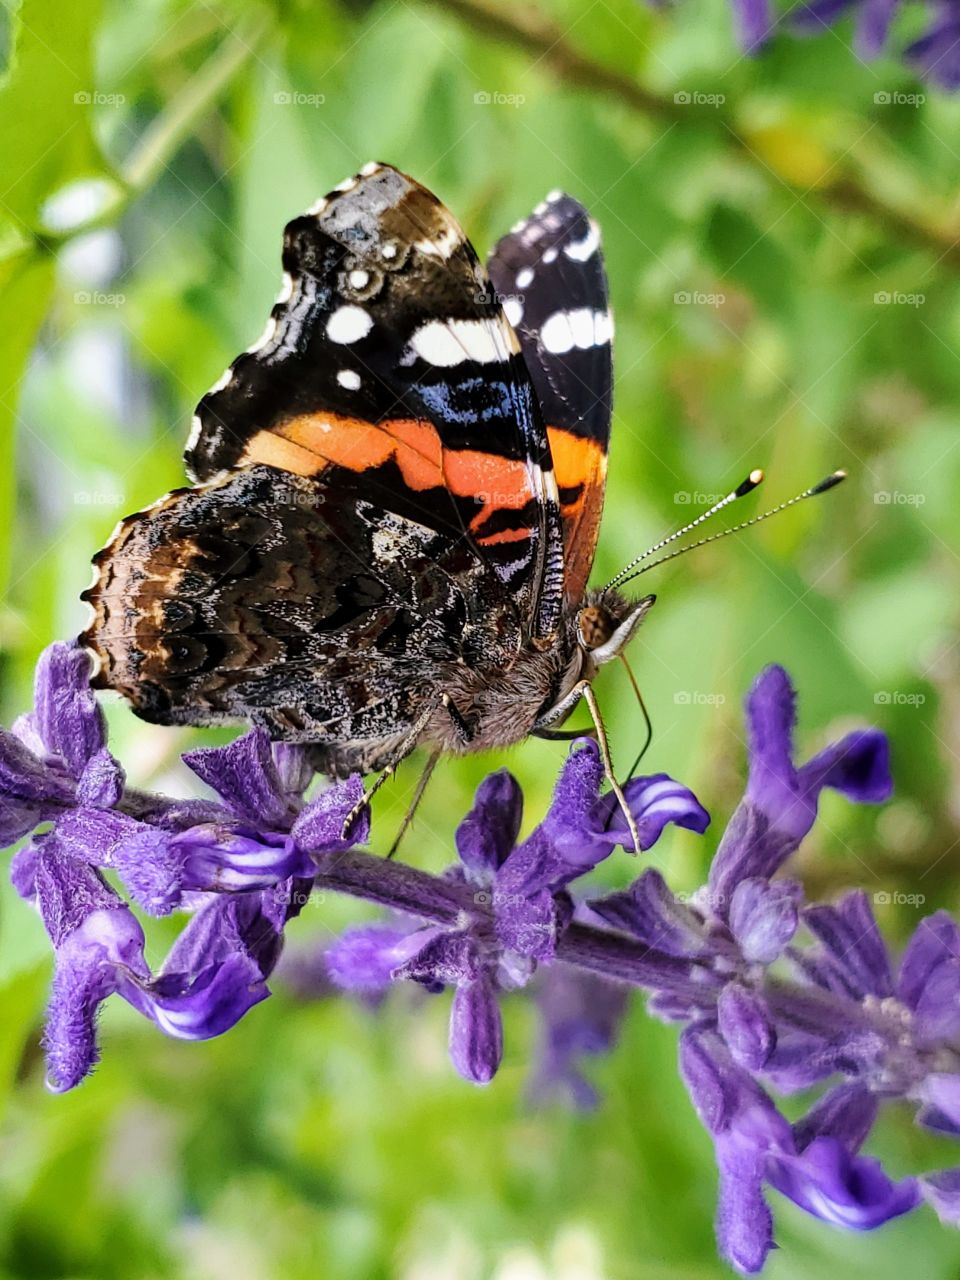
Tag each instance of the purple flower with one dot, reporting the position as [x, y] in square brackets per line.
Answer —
[514, 905]
[56, 756]
[99, 951]
[772, 995]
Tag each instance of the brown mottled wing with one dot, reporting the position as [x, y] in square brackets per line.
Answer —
[309, 610]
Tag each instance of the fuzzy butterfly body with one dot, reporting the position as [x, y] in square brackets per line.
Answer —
[397, 496]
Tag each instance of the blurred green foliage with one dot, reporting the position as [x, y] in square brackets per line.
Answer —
[778, 235]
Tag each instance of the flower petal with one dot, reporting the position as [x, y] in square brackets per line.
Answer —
[840, 1188]
[366, 958]
[654, 802]
[847, 1112]
[476, 1030]
[746, 1026]
[942, 1191]
[650, 911]
[66, 715]
[764, 917]
[852, 941]
[245, 776]
[935, 939]
[319, 828]
[489, 831]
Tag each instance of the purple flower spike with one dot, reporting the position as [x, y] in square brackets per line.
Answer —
[476, 1030]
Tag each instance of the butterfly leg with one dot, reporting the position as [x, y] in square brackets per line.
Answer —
[415, 802]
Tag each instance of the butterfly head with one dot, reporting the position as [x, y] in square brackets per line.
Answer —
[606, 624]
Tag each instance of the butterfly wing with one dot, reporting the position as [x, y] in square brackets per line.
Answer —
[387, 355]
[376, 497]
[270, 597]
[549, 272]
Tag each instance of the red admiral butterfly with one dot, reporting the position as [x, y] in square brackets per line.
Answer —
[398, 493]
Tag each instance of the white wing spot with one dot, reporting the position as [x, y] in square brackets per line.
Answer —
[524, 278]
[359, 279]
[554, 195]
[449, 343]
[347, 184]
[369, 168]
[389, 251]
[581, 328]
[196, 426]
[349, 324]
[550, 255]
[318, 206]
[581, 250]
[513, 310]
[223, 381]
[349, 379]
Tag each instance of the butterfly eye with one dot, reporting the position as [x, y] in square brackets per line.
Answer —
[594, 626]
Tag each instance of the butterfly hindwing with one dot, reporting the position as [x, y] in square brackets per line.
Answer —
[549, 272]
[268, 597]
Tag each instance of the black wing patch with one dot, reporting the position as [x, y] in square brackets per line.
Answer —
[549, 273]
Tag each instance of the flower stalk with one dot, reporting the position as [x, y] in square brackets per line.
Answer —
[772, 995]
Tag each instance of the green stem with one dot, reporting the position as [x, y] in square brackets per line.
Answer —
[843, 193]
[164, 136]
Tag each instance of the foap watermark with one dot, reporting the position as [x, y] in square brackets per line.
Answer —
[694, 298]
[94, 98]
[97, 498]
[294, 98]
[698, 698]
[897, 898]
[896, 498]
[484, 296]
[895, 298]
[484, 898]
[694, 498]
[97, 298]
[694, 98]
[292, 497]
[898, 698]
[894, 98]
[486, 98]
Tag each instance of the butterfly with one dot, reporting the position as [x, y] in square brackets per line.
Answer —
[396, 500]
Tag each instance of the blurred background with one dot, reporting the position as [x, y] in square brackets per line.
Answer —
[780, 234]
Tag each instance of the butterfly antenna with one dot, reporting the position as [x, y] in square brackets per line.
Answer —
[829, 482]
[746, 486]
